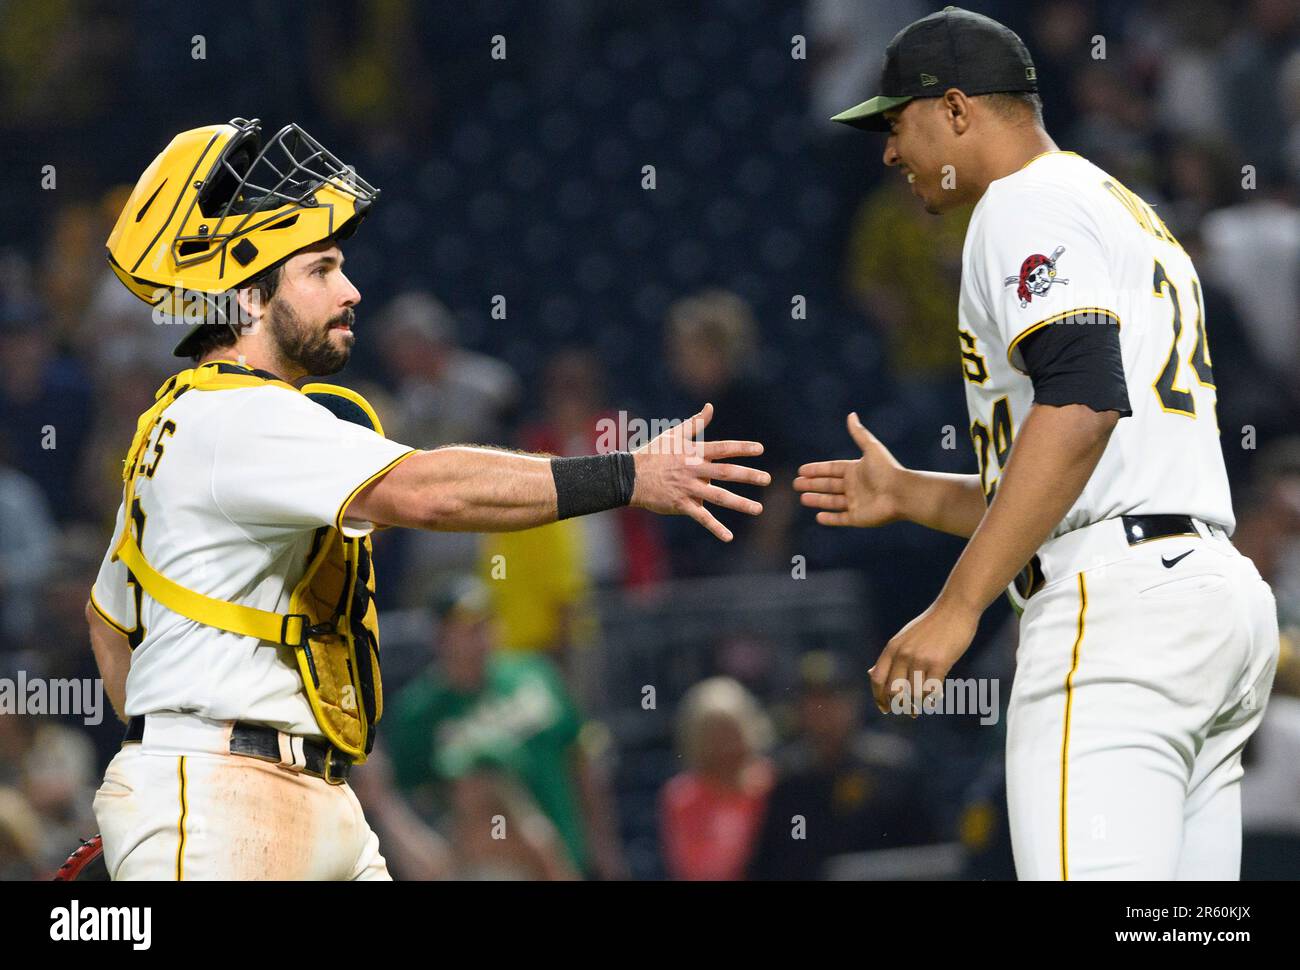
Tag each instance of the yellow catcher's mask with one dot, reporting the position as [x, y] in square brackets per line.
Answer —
[217, 208]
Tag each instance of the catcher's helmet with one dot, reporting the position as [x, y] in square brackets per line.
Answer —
[217, 208]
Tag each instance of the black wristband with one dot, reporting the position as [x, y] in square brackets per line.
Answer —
[593, 483]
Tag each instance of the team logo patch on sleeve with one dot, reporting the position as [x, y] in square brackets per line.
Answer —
[1036, 276]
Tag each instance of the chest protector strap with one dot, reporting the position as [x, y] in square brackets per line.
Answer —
[332, 624]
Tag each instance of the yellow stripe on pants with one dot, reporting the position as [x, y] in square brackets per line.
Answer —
[180, 849]
[1065, 742]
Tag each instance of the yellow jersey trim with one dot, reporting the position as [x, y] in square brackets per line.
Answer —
[1044, 155]
[343, 509]
[94, 604]
[1056, 318]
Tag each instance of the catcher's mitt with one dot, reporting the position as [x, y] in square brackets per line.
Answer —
[86, 864]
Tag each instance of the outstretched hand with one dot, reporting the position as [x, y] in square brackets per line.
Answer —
[675, 474]
[862, 491]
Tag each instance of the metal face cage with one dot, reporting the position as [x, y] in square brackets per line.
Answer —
[249, 179]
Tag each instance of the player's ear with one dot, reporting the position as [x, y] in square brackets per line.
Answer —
[251, 303]
[956, 110]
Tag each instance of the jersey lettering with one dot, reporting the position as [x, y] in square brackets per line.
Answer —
[973, 365]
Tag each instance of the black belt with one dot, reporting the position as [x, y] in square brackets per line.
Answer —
[1137, 529]
[322, 759]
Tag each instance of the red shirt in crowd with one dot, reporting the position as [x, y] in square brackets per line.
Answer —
[708, 829]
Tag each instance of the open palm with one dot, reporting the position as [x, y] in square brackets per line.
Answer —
[859, 491]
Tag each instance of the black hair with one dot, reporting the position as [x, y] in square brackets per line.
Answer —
[219, 332]
[267, 282]
[1014, 104]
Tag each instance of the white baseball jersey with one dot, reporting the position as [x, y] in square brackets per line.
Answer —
[236, 483]
[1062, 242]
[1142, 669]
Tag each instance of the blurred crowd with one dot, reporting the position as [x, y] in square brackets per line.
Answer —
[522, 287]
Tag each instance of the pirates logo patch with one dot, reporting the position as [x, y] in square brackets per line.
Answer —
[1036, 276]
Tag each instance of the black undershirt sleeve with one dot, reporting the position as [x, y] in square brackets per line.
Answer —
[1077, 361]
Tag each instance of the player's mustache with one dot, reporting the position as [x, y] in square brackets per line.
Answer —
[344, 319]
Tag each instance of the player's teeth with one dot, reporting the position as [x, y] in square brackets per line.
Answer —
[911, 177]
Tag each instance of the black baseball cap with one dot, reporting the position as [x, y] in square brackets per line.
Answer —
[953, 48]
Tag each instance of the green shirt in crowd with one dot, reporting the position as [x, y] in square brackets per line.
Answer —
[522, 719]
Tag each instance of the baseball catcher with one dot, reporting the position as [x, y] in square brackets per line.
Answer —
[233, 618]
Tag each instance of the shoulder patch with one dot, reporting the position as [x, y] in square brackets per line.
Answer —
[1036, 276]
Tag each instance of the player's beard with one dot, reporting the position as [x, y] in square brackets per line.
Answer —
[307, 347]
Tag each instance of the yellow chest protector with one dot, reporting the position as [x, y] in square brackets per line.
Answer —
[332, 624]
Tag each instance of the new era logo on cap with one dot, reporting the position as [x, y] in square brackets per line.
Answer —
[928, 80]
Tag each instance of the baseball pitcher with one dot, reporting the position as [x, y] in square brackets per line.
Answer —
[234, 618]
[1147, 642]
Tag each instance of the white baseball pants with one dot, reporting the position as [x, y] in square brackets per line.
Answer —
[179, 806]
[1137, 685]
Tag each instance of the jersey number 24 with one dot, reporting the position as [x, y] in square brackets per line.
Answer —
[1175, 399]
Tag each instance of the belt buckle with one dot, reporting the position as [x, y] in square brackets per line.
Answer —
[1030, 579]
[330, 751]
